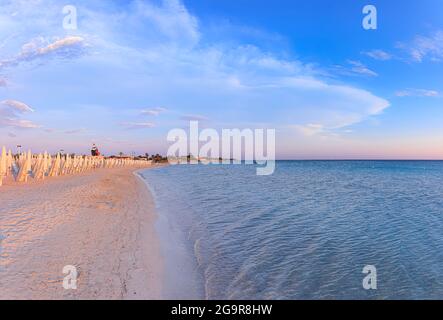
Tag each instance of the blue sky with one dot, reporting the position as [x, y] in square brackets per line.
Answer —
[132, 71]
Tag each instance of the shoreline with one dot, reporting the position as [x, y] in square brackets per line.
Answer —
[102, 222]
[184, 280]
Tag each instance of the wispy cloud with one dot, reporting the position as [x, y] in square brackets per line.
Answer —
[417, 93]
[75, 131]
[194, 117]
[17, 105]
[39, 48]
[153, 111]
[19, 123]
[378, 54]
[170, 22]
[359, 68]
[310, 129]
[58, 46]
[425, 47]
[229, 77]
[163, 56]
[355, 68]
[138, 125]
[10, 111]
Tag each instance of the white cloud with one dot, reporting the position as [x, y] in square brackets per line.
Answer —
[19, 123]
[378, 55]
[337, 107]
[153, 111]
[193, 117]
[257, 86]
[310, 129]
[39, 48]
[75, 131]
[417, 93]
[162, 54]
[138, 125]
[425, 47]
[9, 115]
[354, 68]
[359, 68]
[58, 45]
[17, 105]
[171, 21]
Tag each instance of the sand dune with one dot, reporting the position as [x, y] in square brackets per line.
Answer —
[100, 222]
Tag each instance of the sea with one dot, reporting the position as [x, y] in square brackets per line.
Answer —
[312, 230]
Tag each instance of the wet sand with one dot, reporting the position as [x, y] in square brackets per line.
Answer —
[102, 223]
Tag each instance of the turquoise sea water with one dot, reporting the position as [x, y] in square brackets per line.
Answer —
[306, 232]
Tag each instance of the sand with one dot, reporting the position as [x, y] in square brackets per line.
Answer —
[102, 223]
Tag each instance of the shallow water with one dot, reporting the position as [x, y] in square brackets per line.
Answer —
[305, 232]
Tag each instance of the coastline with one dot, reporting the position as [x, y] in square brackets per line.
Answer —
[100, 222]
[183, 279]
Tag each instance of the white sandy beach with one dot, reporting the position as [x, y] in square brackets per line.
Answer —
[100, 222]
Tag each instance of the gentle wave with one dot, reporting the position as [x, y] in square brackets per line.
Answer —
[305, 232]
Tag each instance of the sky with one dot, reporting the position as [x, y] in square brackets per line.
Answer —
[133, 70]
